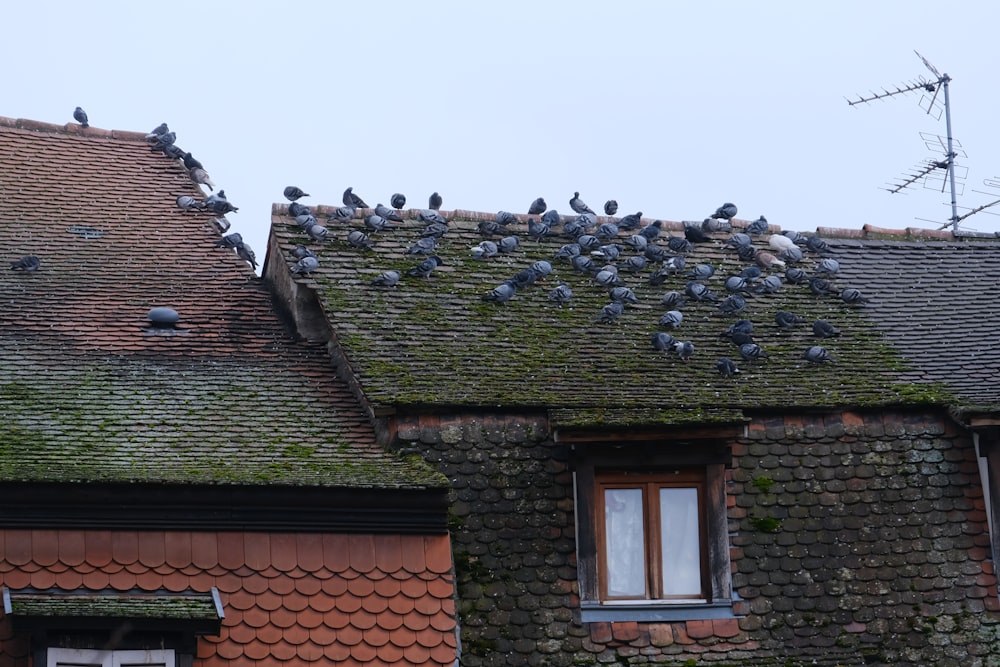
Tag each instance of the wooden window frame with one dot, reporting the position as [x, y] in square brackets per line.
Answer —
[651, 484]
[79, 657]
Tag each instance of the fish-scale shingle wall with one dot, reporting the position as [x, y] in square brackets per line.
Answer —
[296, 598]
[856, 538]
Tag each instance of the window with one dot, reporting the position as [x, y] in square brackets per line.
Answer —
[652, 531]
[651, 536]
[72, 657]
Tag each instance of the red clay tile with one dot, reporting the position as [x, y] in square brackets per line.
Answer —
[96, 580]
[241, 634]
[336, 552]
[204, 549]
[229, 583]
[413, 588]
[230, 548]
[149, 581]
[363, 653]
[125, 547]
[390, 653]
[348, 603]
[363, 619]
[403, 637]
[176, 582]
[72, 547]
[388, 620]
[282, 651]
[374, 604]
[443, 621]
[440, 588]
[444, 653]
[44, 545]
[308, 585]
[257, 650]
[230, 650]
[16, 579]
[349, 573]
[283, 618]
[386, 588]
[269, 634]
[309, 550]
[308, 618]
[416, 620]
[295, 601]
[350, 636]
[334, 586]
[427, 605]
[240, 599]
[338, 652]
[177, 549]
[254, 583]
[334, 618]
[322, 603]
[282, 585]
[269, 601]
[284, 551]
[296, 635]
[400, 604]
[361, 587]
[416, 654]
[438, 553]
[362, 552]
[309, 652]
[122, 580]
[69, 580]
[429, 637]
[414, 556]
[257, 550]
[388, 551]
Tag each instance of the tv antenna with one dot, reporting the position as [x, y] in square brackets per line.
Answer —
[933, 107]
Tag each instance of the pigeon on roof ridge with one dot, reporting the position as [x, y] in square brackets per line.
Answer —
[578, 205]
[537, 207]
[80, 116]
[434, 201]
[397, 200]
[351, 199]
[294, 193]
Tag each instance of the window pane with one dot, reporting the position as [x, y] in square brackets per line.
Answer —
[681, 545]
[623, 531]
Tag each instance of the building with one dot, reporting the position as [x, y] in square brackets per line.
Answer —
[614, 503]
[185, 481]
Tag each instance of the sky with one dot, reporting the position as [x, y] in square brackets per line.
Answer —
[670, 108]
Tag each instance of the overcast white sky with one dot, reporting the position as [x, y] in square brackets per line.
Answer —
[670, 108]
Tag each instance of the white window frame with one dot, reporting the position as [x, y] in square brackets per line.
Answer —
[86, 657]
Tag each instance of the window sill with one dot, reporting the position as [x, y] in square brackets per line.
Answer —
[653, 612]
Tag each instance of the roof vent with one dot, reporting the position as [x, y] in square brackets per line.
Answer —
[86, 231]
[163, 321]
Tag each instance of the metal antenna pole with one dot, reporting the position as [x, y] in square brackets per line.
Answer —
[951, 153]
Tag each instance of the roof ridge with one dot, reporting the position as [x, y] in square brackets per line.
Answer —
[70, 128]
[865, 232]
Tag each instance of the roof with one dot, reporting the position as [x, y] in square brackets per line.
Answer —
[90, 391]
[435, 341]
[287, 598]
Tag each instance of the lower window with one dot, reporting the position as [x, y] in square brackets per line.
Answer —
[71, 657]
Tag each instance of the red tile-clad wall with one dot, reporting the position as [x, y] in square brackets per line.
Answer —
[292, 599]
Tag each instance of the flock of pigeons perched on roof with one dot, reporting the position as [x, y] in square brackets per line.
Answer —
[606, 251]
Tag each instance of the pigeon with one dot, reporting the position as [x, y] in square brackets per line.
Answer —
[786, 319]
[608, 253]
[725, 212]
[425, 245]
[386, 279]
[736, 284]
[791, 255]
[738, 327]
[305, 265]
[434, 202]
[732, 305]
[610, 207]
[190, 162]
[229, 241]
[701, 272]
[630, 222]
[537, 207]
[358, 239]
[502, 293]
[820, 286]
[484, 250]
[588, 242]
[200, 176]
[81, 117]
[675, 264]
[607, 277]
[561, 294]
[607, 231]
[397, 201]
[157, 131]
[662, 341]
[779, 242]
[767, 260]
[737, 241]
[769, 285]
[818, 246]
[246, 254]
[752, 352]
[551, 218]
[611, 312]
[573, 229]
[652, 230]
[294, 209]
[186, 203]
[796, 276]
[377, 223]
[623, 295]
[583, 264]
[342, 213]
[538, 230]
[797, 237]
[637, 242]
[387, 213]
[684, 350]
[508, 244]
[435, 229]
[28, 264]
[695, 234]
[758, 226]
[429, 216]
[222, 206]
[577, 204]
[351, 199]
[817, 354]
[714, 226]
[853, 296]
[174, 152]
[672, 299]
[524, 278]
[699, 292]
[318, 232]
[751, 273]
[655, 253]
[726, 367]
[634, 264]
[426, 267]
[671, 319]
[489, 228]
[586, 220]
[679, 245]
[293, 193]
[823, 329]
[505, 218]
[827, 267]
[542, 267]
[164, 140]
[300, 251]
[568, 251]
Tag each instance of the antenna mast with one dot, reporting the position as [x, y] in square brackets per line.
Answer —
[939, 83]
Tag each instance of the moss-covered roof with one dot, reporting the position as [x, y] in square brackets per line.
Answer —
[436, 341]
[191, 606]
[90, 391]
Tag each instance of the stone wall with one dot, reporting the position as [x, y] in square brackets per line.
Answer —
[855, 539]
